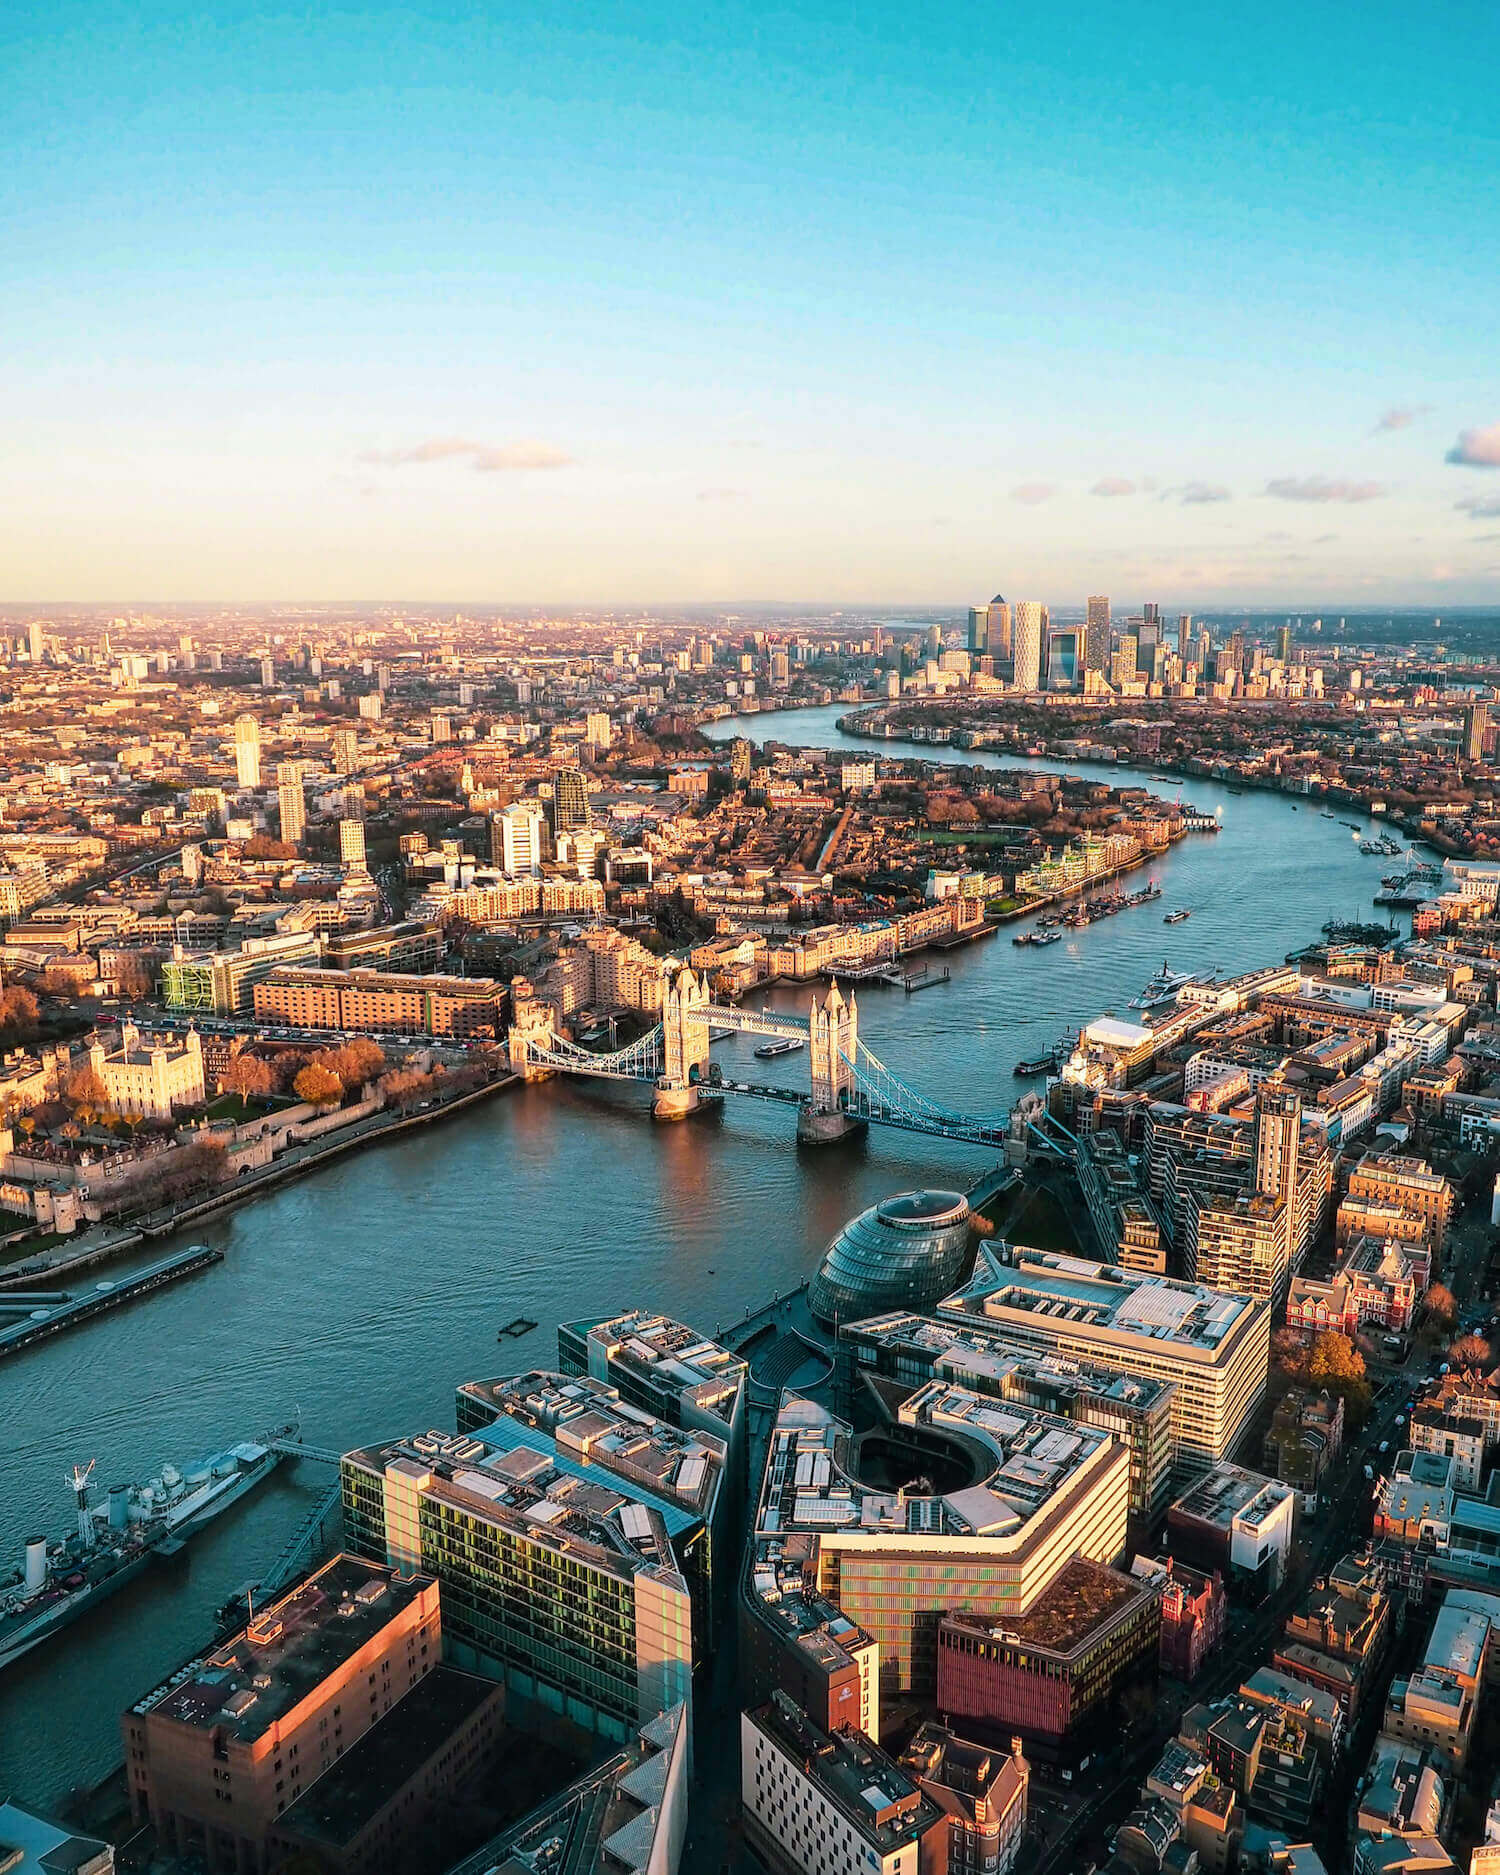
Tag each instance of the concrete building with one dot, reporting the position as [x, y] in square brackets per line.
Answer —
[667, 1370]
[246, 752]
[628, 1813]
[815, 1804]
[1050, 1674]
[33, 1845]
[522, 839]
[587, 1420]
[219, 1751]
[1409, 1184]
[1027, 1492]
[560, 1584]
[1237, 1521]
[379, 1002]
[352, 844]
[1096, 633]
[291, 802]
[1030, 636]
[981, 1791]
[148, 1077]
[1214, 1349]
[1194, 1612]
[223, 983]
[381, 1806]
[914, 1349]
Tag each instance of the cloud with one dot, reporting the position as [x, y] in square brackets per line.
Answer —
[487, 458]
[723, 494]
[1323, 488]
[1033, 493]
[1197, 494]
[1112, 485]
[1477, 449]
[1479, 507]
[1401, 416]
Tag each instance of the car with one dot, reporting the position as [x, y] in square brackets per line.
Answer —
[1385, 1446]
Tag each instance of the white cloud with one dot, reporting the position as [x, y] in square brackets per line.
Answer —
[487, 458]
[1033, 493]
[1113, 485]
[1323, 488]
[1477, 449]
[1481, 507]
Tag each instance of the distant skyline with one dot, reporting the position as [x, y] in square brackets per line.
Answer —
[614, 304]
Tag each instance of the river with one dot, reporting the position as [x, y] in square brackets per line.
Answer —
[362, 1294]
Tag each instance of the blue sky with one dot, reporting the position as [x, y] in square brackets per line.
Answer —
[650, 303]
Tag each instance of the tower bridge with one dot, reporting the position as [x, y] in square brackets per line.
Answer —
[848, 1087]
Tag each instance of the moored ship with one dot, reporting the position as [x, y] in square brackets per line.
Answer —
[114, 1541]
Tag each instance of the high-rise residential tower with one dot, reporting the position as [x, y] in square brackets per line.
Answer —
[291, 802]
[247, 751]
[1096, 632]
[1030, 632]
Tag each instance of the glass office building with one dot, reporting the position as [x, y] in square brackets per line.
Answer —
[906, 1252]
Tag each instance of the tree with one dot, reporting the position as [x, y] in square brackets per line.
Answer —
[1289, 1350]
[1470, 1351]
[356, 1061]
[18, 1015]
[316, 1084]
[85, 1089]
[1440, 1305]
[249, 1077]
[1334, 1357]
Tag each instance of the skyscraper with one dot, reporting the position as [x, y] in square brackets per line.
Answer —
[570, 801]
[36, 644]
[352, 843]
[989, 629]
[1030, 629]
[1096, 631]
[1476, 722]
[345, 751]
[268, 672]
[291, 803]
[1185, 636]
[1066, 657]
[1151, 613]
[1284, 644]
[521, 827]
[247, 751]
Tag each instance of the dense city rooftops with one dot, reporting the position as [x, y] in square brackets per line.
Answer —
[513, 1475]
[1013, 1283]
[959, 1350]
[253, 1680]
[667, 1355]
[1028, 1458]
[589, 1421]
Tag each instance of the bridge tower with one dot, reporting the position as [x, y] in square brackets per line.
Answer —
[833, 1043]
[684, 1027]
[530, 1021]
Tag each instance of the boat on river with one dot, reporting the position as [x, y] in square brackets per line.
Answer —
[785, 1045]
[114, 1541]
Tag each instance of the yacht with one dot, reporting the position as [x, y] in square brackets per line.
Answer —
[1162, 988]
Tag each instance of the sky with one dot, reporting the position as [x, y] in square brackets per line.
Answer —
[591, 304]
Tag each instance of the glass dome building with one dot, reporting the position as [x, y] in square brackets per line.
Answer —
[903, 1253]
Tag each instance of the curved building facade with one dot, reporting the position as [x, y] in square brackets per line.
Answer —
[903, 1253]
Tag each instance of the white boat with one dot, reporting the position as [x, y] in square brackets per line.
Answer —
[786, 1045]
[1163, 988]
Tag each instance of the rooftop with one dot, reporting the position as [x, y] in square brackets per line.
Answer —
[1081, 1600]
[1031, 1457]
[1230, 1494]
[1041, 1288]
[260, 1674]
[377, 1767]
[672, 1356]
[963, 1350]
[589, 1421]
[885, 1804]
[513, 1475]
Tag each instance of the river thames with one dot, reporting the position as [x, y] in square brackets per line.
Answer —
[364, 1293]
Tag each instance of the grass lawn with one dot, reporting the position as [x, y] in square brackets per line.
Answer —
[237, 1108]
